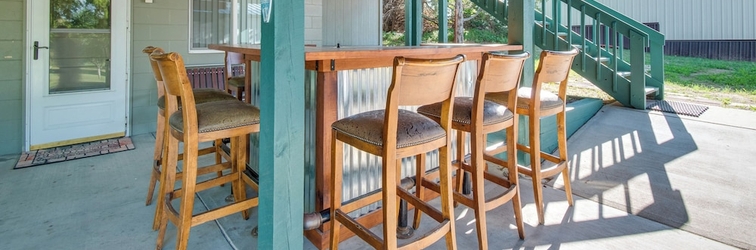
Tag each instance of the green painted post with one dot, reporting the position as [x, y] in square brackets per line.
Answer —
[521, 21]
[637, 70]
[282, 128]
[443, 21]
[413, 24]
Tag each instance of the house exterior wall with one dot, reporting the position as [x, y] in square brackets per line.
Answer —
[352, 22]
[694, 19]
[162, 23]
[11, 76]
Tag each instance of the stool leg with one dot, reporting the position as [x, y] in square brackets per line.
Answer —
[419, 189]
[336, 177]
[460, 159]
[447, 209]
[156, 157]
[535, 164]
[478, 192]
[238, 146]
[165, 160]
[390, 197]
[188, 186]
[217, 145]
[513, 175]
[562, 141]
[168, 180]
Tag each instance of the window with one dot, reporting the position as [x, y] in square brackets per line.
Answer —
[223, 21]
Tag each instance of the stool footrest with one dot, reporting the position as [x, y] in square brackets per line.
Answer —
[430, 237]
[359, 230]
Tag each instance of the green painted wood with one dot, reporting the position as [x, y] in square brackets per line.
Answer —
[282, 112]
[550, 25]
[443, 21]
[413, 26]
[637, 69]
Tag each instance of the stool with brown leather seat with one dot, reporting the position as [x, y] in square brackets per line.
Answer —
[193, 124]
[393, 134]
[474, 115]
[236, 84]
[536, 103]
[200, 96]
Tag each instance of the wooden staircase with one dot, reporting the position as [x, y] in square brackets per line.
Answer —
[621, 56]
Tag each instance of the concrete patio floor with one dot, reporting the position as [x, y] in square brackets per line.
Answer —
[626, 167]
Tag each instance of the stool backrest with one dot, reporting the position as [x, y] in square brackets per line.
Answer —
[420, 82]
[177, 85]
[155, 70]
[500, 72]
[554, 66]
[232, 59]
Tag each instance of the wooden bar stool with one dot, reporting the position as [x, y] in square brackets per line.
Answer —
[236, 84]
[474, 115]
[393, 134]
[554, 66]
[192, 124]
[200, 96]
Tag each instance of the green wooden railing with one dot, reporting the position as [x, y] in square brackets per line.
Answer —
[621, 56]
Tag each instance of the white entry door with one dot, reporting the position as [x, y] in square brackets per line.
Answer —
[76, 72]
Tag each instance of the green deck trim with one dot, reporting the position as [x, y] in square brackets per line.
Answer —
[282, 128]
[443, 21]
[413, 24]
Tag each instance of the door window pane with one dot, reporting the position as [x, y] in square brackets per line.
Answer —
[79, 45]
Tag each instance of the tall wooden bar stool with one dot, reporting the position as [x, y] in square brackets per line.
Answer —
[554, 66]
[236, 84]
[474, 115]
[394, 134]
[193, 124]
[201, 96]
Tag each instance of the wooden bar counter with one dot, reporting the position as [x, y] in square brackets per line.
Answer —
[327, 62]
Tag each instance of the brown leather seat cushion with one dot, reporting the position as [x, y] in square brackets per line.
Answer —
[548, 100]
[492, 112]
[236, 81]
[220, 115]
[412, 129]
[202, 96]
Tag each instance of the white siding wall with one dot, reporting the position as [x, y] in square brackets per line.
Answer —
[351, 22]
[313, 22]
[693, 19]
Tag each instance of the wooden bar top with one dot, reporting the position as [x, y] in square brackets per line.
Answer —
[357, 52]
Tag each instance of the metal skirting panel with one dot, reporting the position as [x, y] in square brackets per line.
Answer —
[730, 50]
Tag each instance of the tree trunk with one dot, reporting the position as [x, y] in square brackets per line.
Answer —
[459, 23]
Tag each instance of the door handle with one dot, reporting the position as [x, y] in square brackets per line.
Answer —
[36, 49]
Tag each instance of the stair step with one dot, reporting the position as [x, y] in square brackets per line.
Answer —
[604, 60]
[625, 74]
[651, 91]
[563, 35]
[542, 22]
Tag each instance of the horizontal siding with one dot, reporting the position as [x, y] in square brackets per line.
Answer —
[11, 76]
[694, 19]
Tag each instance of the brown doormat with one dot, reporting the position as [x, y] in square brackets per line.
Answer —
[71, 152]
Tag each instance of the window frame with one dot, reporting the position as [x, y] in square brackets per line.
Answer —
[234, 28]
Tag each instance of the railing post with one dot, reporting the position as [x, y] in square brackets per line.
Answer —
[657, 67]
[637, 68]
[413, 26]
[443, 21]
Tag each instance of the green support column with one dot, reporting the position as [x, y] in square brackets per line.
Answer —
[282, 127]
[443, 21]
[413, 22]
[521, 25]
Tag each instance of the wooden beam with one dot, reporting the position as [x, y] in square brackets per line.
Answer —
[443, 21]
[282, 111]
[413, 22]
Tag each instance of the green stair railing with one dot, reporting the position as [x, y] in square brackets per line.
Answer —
[621, 56]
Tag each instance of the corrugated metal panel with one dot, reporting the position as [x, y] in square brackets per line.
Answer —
[351, 22]
[693, 19]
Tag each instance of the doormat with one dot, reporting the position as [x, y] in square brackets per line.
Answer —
[680, 108]
[72, 152]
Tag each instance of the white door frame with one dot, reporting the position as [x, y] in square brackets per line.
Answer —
[126, 35]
